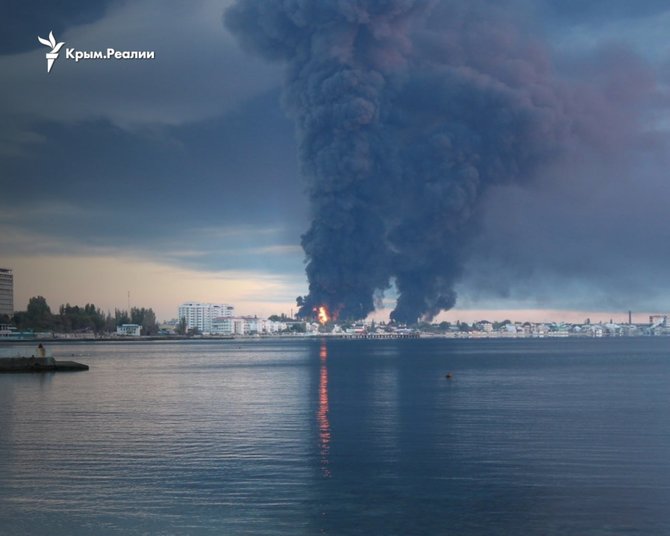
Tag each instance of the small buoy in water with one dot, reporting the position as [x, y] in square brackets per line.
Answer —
[449, 376]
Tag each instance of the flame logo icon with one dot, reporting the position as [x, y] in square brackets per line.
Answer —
[55, 47]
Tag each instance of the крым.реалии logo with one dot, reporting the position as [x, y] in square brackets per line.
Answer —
[55, 47]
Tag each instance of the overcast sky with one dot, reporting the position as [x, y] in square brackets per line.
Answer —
[177, 178]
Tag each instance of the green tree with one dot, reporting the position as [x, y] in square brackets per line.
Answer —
[38, 314]
[140, 316]
[499, 325]
[121, 317]
[80, 319]
[145, 318]
[110, 323]
[149, 324]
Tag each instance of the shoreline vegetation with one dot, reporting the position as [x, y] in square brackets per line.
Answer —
[74, 319]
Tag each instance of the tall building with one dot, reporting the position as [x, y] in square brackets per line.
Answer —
[200, 315]
[6, 292]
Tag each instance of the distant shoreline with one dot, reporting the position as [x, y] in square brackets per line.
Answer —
[143, 339]
[275, 337]
[66, 340]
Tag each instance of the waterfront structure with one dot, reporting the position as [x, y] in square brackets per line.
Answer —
[240, 325]
[200, 315]
[248, 325]
[131, 330]
[6, 292]
[658, 321]
[223, 326]
[7, 331]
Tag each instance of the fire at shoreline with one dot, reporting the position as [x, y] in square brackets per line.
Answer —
[322, 315]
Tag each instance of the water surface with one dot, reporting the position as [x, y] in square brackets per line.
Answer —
[341, 437]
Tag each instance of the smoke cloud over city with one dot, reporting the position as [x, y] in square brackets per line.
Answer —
[407, 113]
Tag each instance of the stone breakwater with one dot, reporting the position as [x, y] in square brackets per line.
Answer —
[38, 364]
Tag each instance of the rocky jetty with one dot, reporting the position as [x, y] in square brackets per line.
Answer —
[38, 364]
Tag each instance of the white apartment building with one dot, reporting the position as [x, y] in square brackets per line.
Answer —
[223, 326]
[245, 325]
[200, 315]
[6, 292]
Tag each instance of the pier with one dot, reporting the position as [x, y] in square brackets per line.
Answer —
[413, 335]
[38, 364]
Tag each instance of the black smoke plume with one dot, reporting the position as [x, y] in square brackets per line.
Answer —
[407, 111]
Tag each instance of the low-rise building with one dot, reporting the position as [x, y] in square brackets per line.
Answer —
[129, 330]
[249, 325]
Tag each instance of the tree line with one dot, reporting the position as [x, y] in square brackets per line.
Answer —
[76, 319]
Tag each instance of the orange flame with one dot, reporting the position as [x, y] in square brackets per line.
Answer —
[322, 314]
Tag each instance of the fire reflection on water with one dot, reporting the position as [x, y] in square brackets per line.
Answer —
[322, 413]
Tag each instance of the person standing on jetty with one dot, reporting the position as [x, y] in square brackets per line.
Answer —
[41, 352]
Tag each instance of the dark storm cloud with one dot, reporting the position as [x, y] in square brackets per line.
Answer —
[407, 114]
[196, 74]
[149, 190]
[22, 20]
[169, 158]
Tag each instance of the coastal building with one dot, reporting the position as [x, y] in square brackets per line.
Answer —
[200, 315]
[6, 292]
[130, 330]
[658, 321]
[223, 326]
[7, 331]
[246, 325]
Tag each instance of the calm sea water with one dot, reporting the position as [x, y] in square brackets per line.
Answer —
[341, 437]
